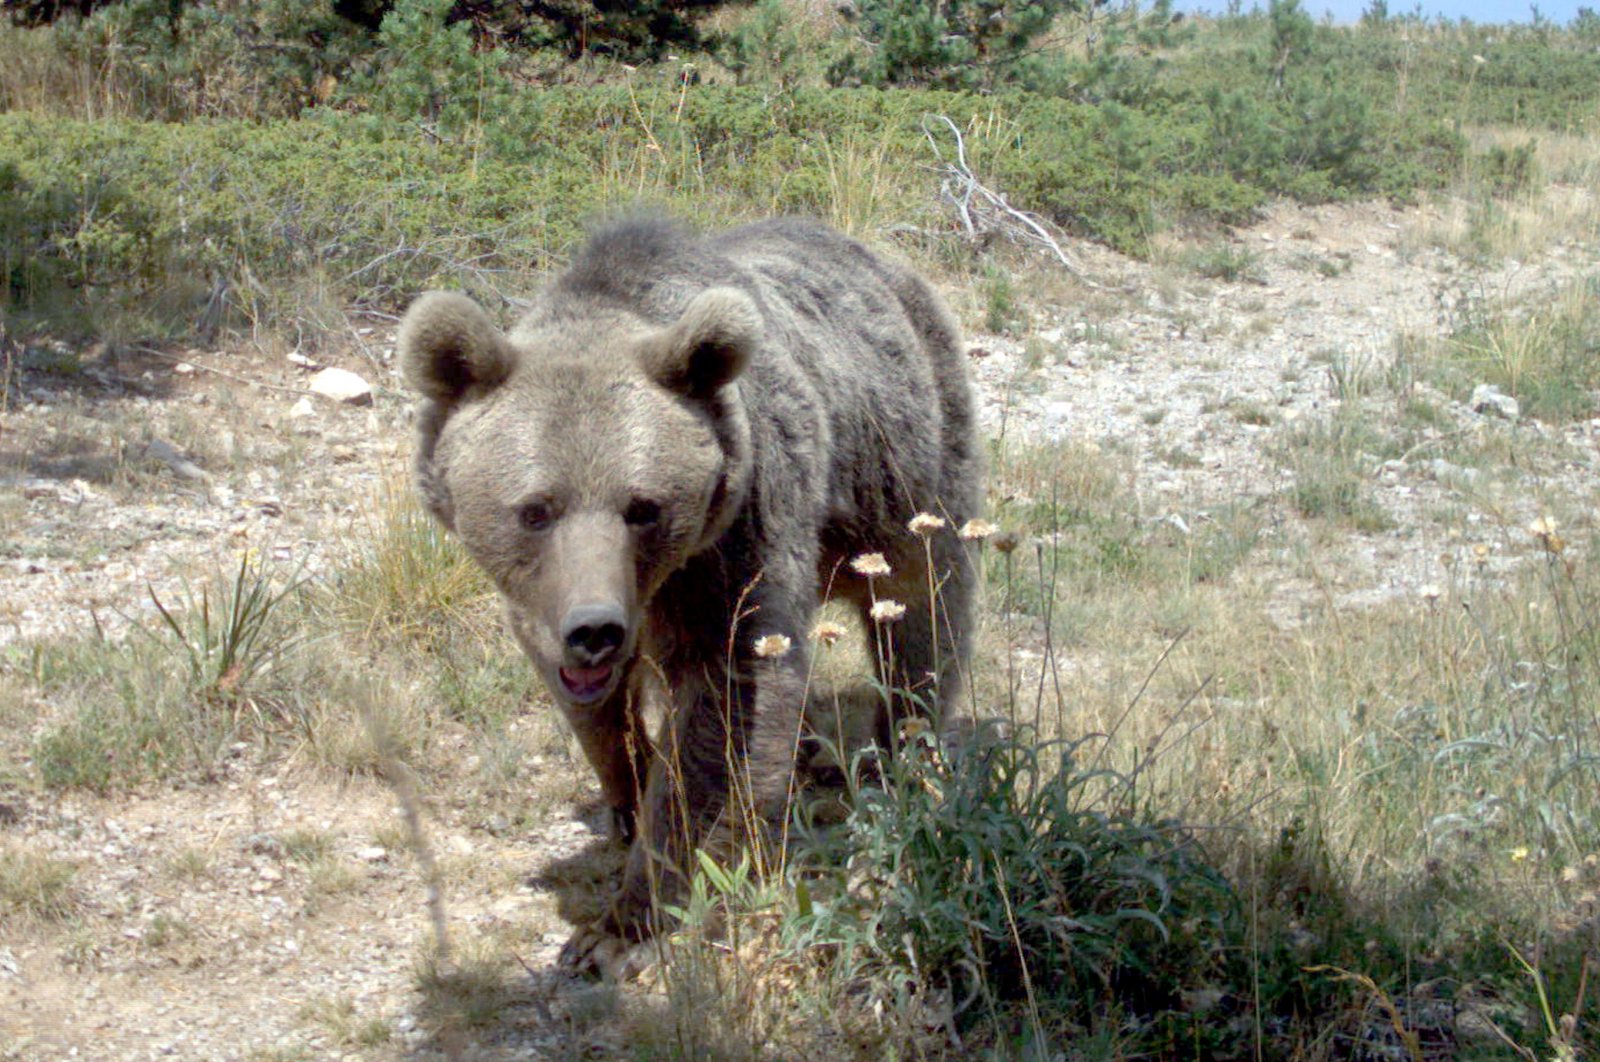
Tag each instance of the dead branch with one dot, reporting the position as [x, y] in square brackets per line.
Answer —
[176, 360]
[984, 212]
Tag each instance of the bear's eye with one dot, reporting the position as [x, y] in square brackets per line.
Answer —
[642, 512]
[536, 515]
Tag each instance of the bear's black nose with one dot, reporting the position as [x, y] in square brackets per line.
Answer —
[594, 633]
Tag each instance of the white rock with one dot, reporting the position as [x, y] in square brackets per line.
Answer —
[1487, 398]
[302, 408]
[342, 385]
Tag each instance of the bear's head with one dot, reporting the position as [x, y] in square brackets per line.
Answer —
[582, 460]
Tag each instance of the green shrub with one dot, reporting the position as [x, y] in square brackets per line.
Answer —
[1006, 870]
[768, 48]
[633, 31]
[446, 175]
[1506, 171]
[429, 70]
[267, 58]
[964, 44]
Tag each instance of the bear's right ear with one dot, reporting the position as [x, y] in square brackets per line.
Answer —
[449, 346]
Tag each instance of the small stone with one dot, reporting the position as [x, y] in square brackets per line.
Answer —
[342, 385]
[374, 854]
[263, 844]
[302, 408]
[1488, 399]
[167, 454]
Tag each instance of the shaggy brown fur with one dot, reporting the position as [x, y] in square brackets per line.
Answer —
[670, 457]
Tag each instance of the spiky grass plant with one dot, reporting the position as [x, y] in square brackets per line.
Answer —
[1003, 872]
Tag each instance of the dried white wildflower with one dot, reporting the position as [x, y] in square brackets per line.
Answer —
[772, 645]
[887, 611]
[870, 565]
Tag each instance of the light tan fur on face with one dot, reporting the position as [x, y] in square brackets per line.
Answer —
[546, 431]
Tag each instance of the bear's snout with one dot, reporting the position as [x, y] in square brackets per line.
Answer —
[593, 634]
[593, 638]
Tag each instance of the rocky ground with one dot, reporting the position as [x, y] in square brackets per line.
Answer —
[273, 914]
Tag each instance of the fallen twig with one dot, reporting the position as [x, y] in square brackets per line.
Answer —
[176, 360]
[982, 210]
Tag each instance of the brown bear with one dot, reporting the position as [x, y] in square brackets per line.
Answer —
[670, 459]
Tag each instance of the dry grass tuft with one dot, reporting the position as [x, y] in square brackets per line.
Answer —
[1537, 192]
[34, 886]
[408, 578]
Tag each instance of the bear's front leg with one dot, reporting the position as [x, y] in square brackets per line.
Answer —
[722, 770]
[613, 737]
[686, 787]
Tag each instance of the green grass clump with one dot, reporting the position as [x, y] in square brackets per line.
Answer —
[1543, 350]
[1332, 462]
[410, 580]
[1224, 261]
[1001, 870]
[228, 650]
[221, 665]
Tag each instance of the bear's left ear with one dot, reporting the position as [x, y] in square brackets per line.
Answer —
[708, 346]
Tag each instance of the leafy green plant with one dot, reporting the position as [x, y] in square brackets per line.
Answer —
[229, 648]
[1010, 872]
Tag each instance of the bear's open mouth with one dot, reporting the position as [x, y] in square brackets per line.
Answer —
[586, 683]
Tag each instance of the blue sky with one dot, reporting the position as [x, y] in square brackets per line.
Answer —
[1559, 11]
